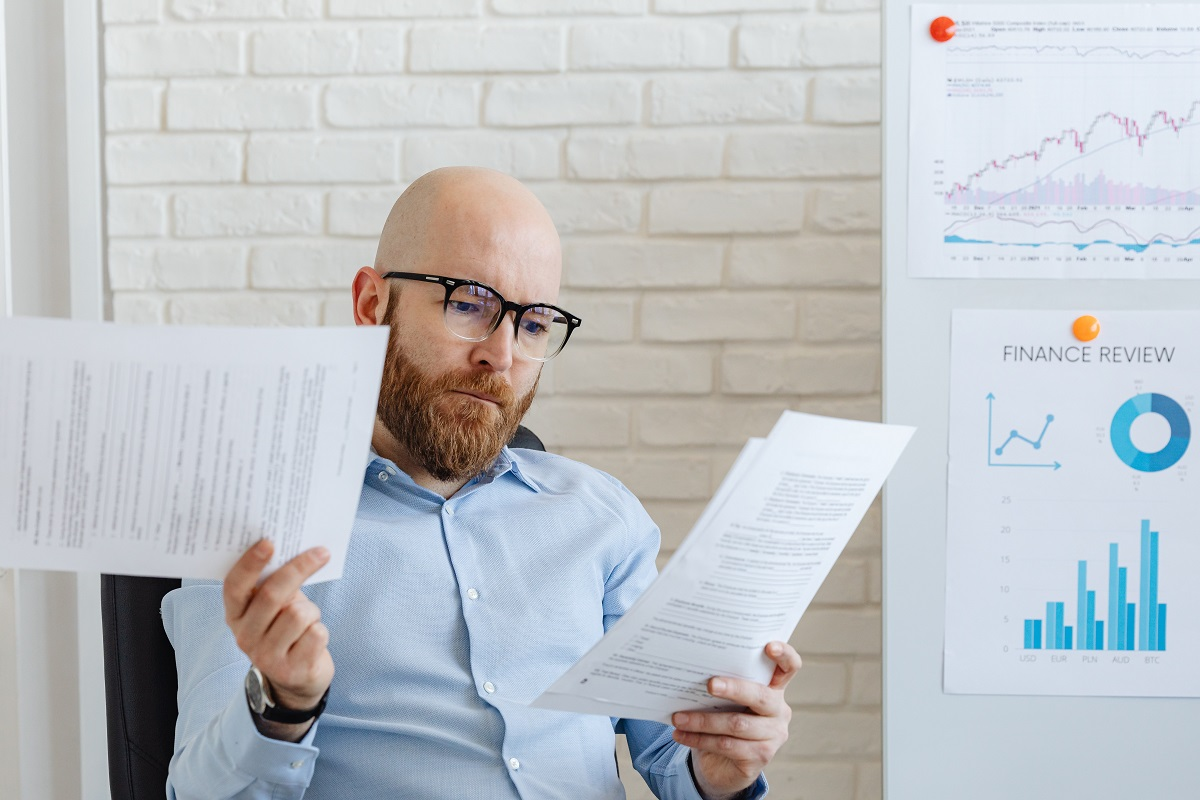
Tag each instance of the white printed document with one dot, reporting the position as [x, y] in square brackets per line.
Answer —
[1054, 140]
[169, 451]
[1072, 503]
[744, 575]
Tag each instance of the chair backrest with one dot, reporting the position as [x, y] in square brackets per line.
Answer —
[140, 683]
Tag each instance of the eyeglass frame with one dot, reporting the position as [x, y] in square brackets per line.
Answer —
[450, 284]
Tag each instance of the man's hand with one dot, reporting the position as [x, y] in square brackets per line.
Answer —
[730, 748]
[279, 628]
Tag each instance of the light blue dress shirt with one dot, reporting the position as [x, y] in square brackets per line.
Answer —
[450, 617]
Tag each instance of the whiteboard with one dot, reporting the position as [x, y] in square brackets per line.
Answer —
[963, 747]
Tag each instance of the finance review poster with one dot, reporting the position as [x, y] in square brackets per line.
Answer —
[1073, 524]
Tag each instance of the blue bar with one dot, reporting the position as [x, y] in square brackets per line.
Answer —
[1122, 613]
[1059, 632]
[1051, 639]
[1162, 626]
[1130, 622]
[1143, 638]
[1067, 632]
[1028, 634]
[1113, 614]
[1037, 634]
[1100, 633]
[1154, 591]
[1094, 642]
[1081, 607]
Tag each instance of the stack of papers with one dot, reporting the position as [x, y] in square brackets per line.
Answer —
[743, 577]
[169, 451]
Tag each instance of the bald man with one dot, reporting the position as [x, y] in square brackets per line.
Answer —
[476, 573]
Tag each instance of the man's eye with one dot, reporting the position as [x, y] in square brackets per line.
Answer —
[465, 308]
[532, 327]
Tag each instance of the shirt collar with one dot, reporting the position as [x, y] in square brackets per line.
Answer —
[511, 461]
[507, 461]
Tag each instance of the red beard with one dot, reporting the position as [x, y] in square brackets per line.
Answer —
[451, 436]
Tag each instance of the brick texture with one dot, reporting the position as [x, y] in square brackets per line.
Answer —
[713, 167]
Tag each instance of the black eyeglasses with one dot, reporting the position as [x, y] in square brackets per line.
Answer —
[473, 311]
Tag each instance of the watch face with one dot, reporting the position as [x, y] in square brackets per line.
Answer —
[254, 691]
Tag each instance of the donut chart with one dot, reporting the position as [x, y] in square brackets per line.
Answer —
[1150, 403]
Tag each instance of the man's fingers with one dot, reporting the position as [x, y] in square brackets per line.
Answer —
[740, 751]
[243, 577]
[284, 582]
[755, 696]
[728, 723]
[787, 663]
[289, 625]
[273, 594]
[311, 645]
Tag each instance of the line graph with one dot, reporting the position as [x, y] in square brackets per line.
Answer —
[1015, 435]
[1082, 52]
[1058, 147]
[997, 230]
[1128, 131]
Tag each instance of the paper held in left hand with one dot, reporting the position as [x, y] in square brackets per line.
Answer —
[743, 577]
[169, 451]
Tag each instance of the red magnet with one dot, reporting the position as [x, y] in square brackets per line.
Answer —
[942, 29]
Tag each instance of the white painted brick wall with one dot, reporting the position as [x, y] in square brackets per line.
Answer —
[315, 50]
[528, 156]
[644, 45]
[563, 101]
[644, 155]
[240, 106]
[488, 48]
[398, 104]
[728, 97]
[321, 159]
[133, 106]
[244, 9]
[712, 165]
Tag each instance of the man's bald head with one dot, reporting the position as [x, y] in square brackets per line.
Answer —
[476, 219]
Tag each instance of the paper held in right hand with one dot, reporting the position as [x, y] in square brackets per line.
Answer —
[743, 577]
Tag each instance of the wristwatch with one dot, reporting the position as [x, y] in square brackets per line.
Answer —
[258, 695]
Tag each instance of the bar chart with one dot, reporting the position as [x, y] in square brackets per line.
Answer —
[1140, 625]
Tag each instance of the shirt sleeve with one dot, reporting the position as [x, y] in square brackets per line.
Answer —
[660, 760]
[219, 752]
[663, 762]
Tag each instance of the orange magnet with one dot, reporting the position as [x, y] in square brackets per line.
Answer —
[942, 29]
[1086, 328]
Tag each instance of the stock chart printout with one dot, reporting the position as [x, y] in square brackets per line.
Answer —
[1073, 524]
[1055, 141]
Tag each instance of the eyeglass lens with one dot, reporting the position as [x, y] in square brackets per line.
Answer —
[473, 312]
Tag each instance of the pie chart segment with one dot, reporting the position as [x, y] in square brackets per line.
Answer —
[1150, 403]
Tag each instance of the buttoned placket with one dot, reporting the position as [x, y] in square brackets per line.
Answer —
[472, 594]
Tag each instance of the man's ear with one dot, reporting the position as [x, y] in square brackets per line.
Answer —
[370, 296]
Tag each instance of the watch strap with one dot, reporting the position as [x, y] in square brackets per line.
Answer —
[291, 716]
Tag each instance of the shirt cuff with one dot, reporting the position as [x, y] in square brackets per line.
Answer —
[269, 760]
[754, 791]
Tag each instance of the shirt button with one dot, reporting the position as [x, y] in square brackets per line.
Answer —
[383, 476]
[472, 594]
[449, 512]
[296, 764]
[514, 763]
[489, 687]
[391, 470]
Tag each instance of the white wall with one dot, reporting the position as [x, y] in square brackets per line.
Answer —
[713, 166]
[52, 732]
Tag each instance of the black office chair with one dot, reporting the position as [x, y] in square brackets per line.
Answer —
[140, 683]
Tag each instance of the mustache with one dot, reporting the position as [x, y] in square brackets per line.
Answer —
[481, 383]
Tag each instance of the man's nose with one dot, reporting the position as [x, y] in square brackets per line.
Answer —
[496, 351]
